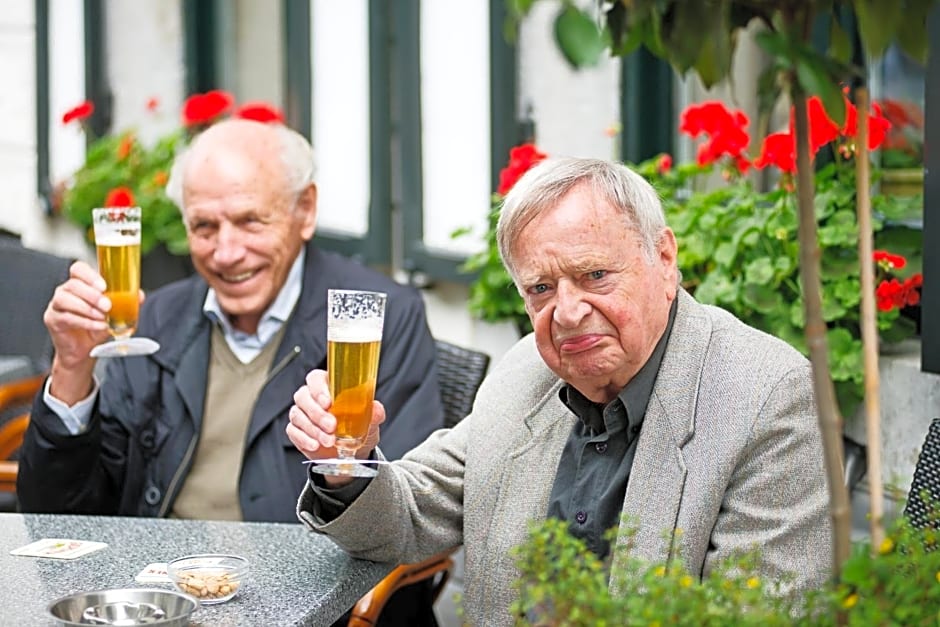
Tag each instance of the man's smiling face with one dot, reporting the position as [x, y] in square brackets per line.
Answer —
[245, 226]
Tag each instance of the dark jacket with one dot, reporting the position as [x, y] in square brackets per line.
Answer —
[140, 441]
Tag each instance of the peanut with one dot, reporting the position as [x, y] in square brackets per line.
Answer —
[207, 585]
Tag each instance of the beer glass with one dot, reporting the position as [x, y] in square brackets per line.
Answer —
[117, 240]
[354, 340]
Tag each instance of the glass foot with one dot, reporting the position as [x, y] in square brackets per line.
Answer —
[344, 467]
[128, 347]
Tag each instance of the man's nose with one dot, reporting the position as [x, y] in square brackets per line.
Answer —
[229, 246]
[570, 306]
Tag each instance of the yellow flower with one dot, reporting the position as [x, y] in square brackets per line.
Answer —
[660, 571]
[686, 581]
[887, 545]
[753, 582]
[850, 601]
[938, 576]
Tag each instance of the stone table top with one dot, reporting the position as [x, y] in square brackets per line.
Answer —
[296, 577]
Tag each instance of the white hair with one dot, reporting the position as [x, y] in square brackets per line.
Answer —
[297, 157]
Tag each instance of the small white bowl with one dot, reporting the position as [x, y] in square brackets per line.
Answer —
[211, 578]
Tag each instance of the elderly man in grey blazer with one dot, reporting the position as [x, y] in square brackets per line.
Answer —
[629, 398]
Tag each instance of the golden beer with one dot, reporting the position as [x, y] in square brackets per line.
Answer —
[352, 368]
[117, 239]
[120, 267]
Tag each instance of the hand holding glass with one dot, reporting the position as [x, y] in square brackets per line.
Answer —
[117, 240]
[354, 339]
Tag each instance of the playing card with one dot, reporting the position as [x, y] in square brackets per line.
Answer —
[58, 548]
[153, 573]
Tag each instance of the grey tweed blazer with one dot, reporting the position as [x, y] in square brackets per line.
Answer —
[729, 454]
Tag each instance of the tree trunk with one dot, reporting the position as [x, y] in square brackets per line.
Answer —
[869, 326]
[830, 420]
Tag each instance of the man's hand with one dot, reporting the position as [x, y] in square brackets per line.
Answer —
[76, 320]
[312, 427]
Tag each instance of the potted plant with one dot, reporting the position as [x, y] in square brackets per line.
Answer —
[120, 169]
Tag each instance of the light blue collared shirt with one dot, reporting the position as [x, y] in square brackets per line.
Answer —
[245, 346]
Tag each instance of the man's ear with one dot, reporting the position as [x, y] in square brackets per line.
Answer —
[307, 209]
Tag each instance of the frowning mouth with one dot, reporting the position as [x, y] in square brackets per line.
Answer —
[578, 343]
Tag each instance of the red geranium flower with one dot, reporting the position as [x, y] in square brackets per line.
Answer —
[80, 112]
[521, 160]
[889, 261]
[878, 125]
[664, 164]
[778, 149]
[887, 294]
[204, 108]
[726, 130]
[260, 112]
[119, 197]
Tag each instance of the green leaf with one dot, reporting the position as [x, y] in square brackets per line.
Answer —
[878, 22]
[580, 40]
[716, 288]
[840, 47]
[759, 272]
[913, 25]
[763, 298]
[717, 48]
[684, 31]
[816, 79]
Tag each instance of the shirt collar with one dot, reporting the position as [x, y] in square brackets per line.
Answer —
[273, 317]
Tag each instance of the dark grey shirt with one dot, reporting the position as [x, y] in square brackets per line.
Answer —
[595, 464]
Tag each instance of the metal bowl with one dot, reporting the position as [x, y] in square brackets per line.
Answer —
[127, 607]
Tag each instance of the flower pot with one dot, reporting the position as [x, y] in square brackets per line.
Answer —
[159, 267]
[903, 181]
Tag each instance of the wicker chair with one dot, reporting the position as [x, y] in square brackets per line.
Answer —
[926, 481]
[460, 373]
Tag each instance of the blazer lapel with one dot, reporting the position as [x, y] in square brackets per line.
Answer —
[657, 479]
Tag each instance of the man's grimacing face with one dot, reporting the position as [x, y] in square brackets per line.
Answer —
[598, 304]
[245, 226]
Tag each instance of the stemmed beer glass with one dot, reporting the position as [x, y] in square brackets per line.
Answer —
[354, 340]
[117, 240]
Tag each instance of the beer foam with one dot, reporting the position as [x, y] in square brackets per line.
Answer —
[116, 235]
[356, 331]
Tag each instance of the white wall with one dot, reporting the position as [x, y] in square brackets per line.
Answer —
[17, 115]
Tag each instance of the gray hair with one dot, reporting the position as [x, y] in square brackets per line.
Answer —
[296, 154]
[542, 187]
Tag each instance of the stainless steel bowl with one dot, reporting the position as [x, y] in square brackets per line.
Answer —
[127, 607]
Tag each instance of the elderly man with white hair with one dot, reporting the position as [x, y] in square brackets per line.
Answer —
[197, 429]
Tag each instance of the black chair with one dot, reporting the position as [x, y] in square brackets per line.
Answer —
[27, 283]
[922, 512]
[460, 372]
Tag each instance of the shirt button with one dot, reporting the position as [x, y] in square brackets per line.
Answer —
[601, 447]
[581, 517]
[634, 430]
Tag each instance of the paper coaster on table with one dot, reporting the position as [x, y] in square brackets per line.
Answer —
[153, 573]
[57, 548]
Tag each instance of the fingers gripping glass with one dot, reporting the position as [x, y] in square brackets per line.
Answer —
[354, 340]
[117, 240]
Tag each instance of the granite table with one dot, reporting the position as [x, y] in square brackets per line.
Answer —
[297, 577]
